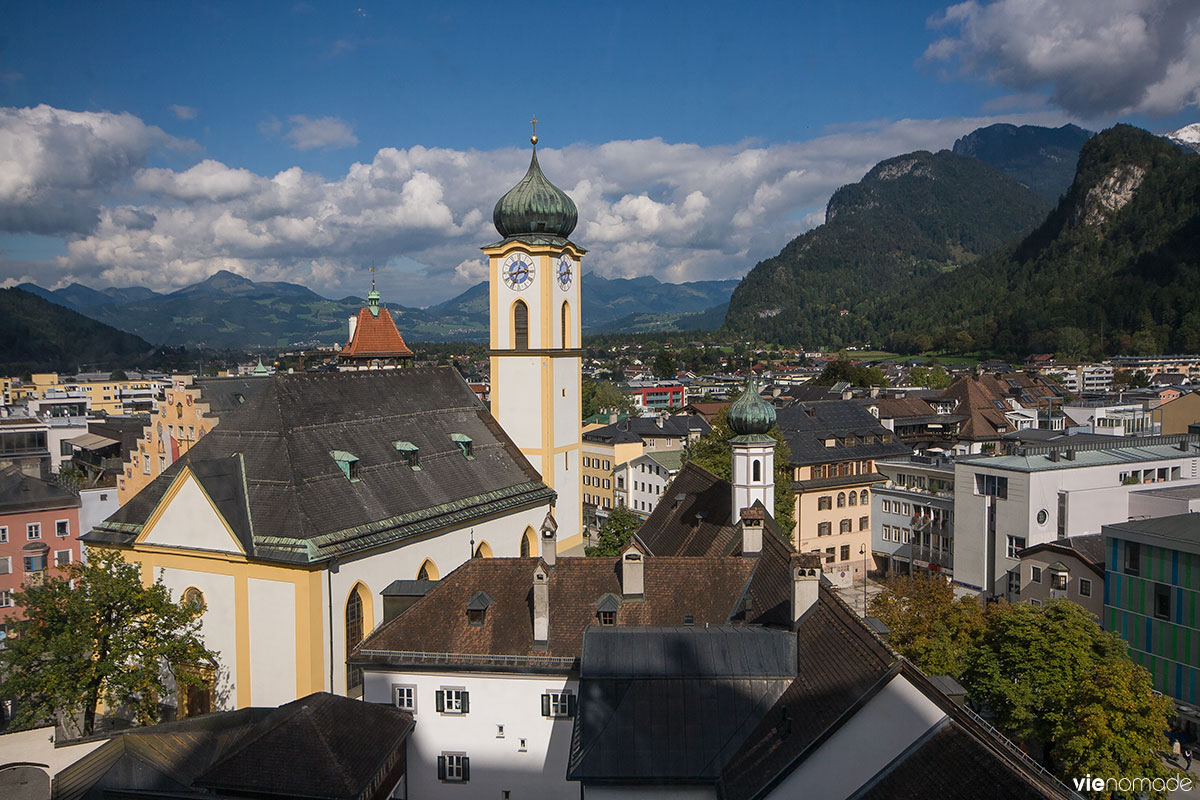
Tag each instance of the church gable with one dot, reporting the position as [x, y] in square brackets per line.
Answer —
[186, 517]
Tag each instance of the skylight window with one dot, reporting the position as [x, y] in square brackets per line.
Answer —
[409, 452]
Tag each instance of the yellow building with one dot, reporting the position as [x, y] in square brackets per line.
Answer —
[604, 449]
[104, 395]
[191, 407]
[1175, 416]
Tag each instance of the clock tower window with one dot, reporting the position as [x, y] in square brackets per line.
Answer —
[520, 325]
[566, 325]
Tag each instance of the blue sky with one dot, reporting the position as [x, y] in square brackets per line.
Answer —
[155, 143]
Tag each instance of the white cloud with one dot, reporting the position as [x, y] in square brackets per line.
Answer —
[677, 211]
[183, 112]
[324, 133]
[1095, 57]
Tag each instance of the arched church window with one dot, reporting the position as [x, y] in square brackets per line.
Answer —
[756, 470]
[354, 635]
[566, 325]
[520, 325]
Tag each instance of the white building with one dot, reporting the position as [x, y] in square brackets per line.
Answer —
[646, 478]
[1004, 504]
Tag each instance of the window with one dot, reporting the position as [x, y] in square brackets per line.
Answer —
[1058, 580]
[404, 697]
[65, 449]
[824, 503]
[991, 485]
[559, 704]
[455, 766]
[3, 533]
[587, 480]
[6, 598]
[844, 526]
[829, 552]
[906, 535]
[1015, 545]
[853, 498]
[606, 464]
[841, 499]
[162, 464]
[845, 554]
[452, 701]
[5, 565]
[864, 523]
[62, 558]
[145, 464]
[35, 563]
[1014, 584]
[1162, 601]
[520, 325]
[354, 635]
[587, 461]
[1035, 574]
[1085, 587]
[824, 528]
[33, 530]
[1133, 558]
[607, 617]
[62, 527]
[904, 509]
[863, 497]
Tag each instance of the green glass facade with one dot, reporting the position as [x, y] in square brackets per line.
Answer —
[1155, 611]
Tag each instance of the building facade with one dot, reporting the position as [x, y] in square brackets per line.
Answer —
[912, 516]
[39, 532]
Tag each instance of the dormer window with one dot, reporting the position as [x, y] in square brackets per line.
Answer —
[464, 443]
[477, 608]
[606, 609]
[347, 463]
[409, 453]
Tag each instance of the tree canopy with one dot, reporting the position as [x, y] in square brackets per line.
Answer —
[615, 532]
[110, 639]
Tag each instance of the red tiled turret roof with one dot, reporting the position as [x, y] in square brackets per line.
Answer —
[376, 336]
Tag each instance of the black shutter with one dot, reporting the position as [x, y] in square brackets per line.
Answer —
[545, 705]
[441, 766]
[466, 769]
[439, 700]
[572, 705]
[466, 702]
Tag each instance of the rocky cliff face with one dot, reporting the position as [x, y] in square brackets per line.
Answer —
[1110, 195]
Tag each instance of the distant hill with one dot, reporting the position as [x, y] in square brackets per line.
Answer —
[912, 221]
[37, 335]
[1187, 137]
[1115, 268]
[227, 310]
[1042, 159]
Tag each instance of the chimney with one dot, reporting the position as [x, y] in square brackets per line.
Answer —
[658, 421]
[752, 530]
[541, 606]
[1184, 446]
[549, 539]
[806, 577]
[1070, 454]
[353, 327]
[633, 572]
[1054, 454]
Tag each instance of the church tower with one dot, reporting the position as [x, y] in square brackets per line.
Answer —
[534, 273]
[750, 417]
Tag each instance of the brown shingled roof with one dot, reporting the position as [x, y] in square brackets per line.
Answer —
[376, 336]
[707, 589]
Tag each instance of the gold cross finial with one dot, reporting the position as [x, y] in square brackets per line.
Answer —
[533, 139]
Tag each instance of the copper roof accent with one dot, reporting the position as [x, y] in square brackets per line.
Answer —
[376, 337]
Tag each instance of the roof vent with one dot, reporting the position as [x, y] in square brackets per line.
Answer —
[464, 443]
[347, 463]
[410, 453]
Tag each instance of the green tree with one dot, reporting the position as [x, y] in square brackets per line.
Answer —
[118, 375]
[1038, 670]
[929, 377]
[855, 374]
[664, 364]
[110, 639]
[713, 452]
[615, 532]
[1071, 344]
[927, 624]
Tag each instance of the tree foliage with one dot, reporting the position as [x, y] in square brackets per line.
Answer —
[109, 639]
[927, 624]
[713, 452]
[615, 532]
[933, 377]
[854, 374]
[603, 396]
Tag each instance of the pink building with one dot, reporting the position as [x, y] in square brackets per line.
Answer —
[39, 530]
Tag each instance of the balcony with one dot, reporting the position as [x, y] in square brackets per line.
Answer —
[941, 558]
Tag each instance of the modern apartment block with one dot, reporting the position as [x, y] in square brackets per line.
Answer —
[1151, 591]
[1004, 504]
[912, 516]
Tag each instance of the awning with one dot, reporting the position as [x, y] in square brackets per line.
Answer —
[91, 441]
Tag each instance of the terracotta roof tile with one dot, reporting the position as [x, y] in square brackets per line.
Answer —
[376, 336]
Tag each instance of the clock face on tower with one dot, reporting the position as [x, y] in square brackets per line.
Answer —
[564, 270]
[517, 271]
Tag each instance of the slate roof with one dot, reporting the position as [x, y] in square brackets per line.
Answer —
[708, 589]
[1174, 530]
[21, 492]
[673, 704]
[343, 745]
[375, 337]
[1088, 548]
[301, 506]
[636, 428]
[806, 426]
[692, 517]
[227, 394]
[977, 397]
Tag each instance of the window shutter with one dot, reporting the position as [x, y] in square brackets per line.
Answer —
[466, 702]
[545, 705]
[572, 705]
[466, 768]
[439, 700]
[441, 766]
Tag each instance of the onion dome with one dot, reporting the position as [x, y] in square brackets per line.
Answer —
[750, 414]
[535, 205]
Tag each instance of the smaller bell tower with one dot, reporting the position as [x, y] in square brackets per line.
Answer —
[750, 417]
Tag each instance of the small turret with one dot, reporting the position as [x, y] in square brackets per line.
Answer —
[751, 415]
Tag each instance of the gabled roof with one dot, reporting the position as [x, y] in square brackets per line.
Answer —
[692, 517]
[21, 492]
[301, 505]
[636, 428]
[1087, 548]
[806, 426]
[375, 337]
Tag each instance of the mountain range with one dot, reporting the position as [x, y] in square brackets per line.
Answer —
[38, 335]
[227, 310]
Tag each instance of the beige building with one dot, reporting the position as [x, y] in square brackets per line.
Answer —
[190, 409]
[1070, 568]
[1176, 415]
[104, 395]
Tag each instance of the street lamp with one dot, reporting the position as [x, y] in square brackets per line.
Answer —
[862, 551]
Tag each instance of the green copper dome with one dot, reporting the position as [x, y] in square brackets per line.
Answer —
[535, 205]
[750, 414]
